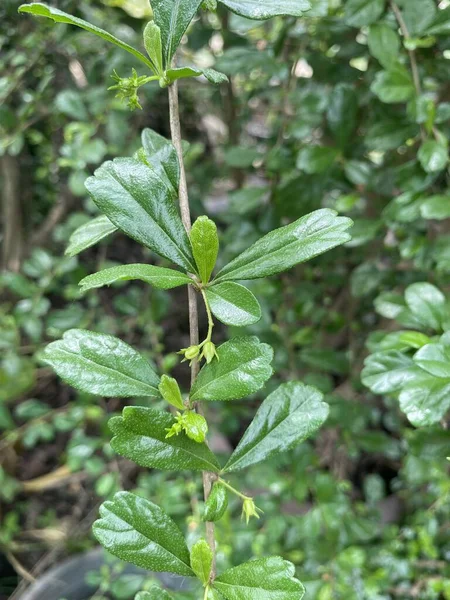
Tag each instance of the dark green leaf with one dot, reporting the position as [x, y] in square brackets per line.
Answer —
[269, 578]
[342, 113]
[265, 9]
[233, 304]
[161, 155]
[433, 156]
[217, 503]
[170, 391]
[316, 159]
[173, 18]
[242, 369]
[158, 277]
[101, 364]
[359, 13]
[211, 75]
[434, 359]
[388, 372]
[384, 44]
[58, 16]
[136, 199]
[283, 248]
[89, 234]
[140, 435]
[287, 417]
[154, 594]
[394, 85]
[205, 246]
[425, 399]
[138, 531]
[418, 14]
[201, 560]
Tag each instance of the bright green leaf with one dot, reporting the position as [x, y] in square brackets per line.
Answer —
[89, 234]
[427, 304]
[359, 13]
[153, 45]
[138, 531]
[269, 578]
[233, 304]
[384, 44]
[242, 368]
[205, 246]
[173, 18]
[216, 504]
[394, 85]
[388, 372]
[436, 207]
[158, 277]
[201, 560]
[283, 248]
[101, 364]
[425, 399]
[213, 76]
[170, 391]
[287, 417]
[140, 435]
[434, 359]
[266, 9]
[433, 156]
[154, 594]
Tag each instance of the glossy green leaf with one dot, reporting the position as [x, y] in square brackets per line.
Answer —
[285, 247]
[140, 435]
[433, 156]
[154, 594]
[242, 368]
[213, 76]
[266, 9]
[388, 372]
[205, 246]
[359, 13]
[434, 359]
[170, 391]
[217, 503]
[269, 578]
[136, 199]
[288, 416]
[153, 45]
[427, 304]
[138, 531]
[394, 85]
[201, 560]
[101, 364]
[58, 16]
[173, 18]
[425, 399]
[384, 44]
[89, 234]
[233, 304]
[436, 207]
[158, 277]
[161, 155]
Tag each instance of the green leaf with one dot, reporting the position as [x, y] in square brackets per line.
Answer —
[58, 16]
[155, 593]
[216, 504]
[425, 399]
[161, 155]
[342, 113]
[89, 234]
[233, 304]
[205, 246]
[140, 435]
[170, 391]
[101, 364]
[433, 156]
[136, 199]
[434, 359]
[427, 304]
[269, 578]
[201, 560]
[173, 17]
[384, 44]
[213, 76]
[158, 277]
[316, 159]
[436, 207]
[242, 368]
[283, 248]
[387, 372]
[138, 531]
[394, 85]
[287, 417]
[418, 14]
[359, 13]
[153, 46]
[266, 9]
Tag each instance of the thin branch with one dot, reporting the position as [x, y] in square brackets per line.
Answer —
[175, 128]
[412, 55]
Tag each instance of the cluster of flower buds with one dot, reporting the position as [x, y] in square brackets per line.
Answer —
[127, 88]
[206, 350]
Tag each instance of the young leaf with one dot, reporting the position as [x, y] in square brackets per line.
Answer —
[161, 155]
[425, 399]
[138, 201]
[153, 45]
[58, 16]
[434, 359]
[387, 372]
[427, 304]
[242, 368]
[287, 246]
[205, 246]
[138, 531]
[433, 156]
[170, 391]
[140, 435]
[155, 593]
[269, 578]
[233, 304]
[101, 364]
[201, 560]
[173, 17]
[216, 504]
[89, 234]
[287, 417]
[265, 9]
[213, 76]
[158, 277]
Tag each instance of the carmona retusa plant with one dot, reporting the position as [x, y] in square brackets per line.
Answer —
[146, 197]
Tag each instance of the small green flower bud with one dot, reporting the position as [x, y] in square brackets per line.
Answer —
[249, 509]
[192, 352]
[209, 351]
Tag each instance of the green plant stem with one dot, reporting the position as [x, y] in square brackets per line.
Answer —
[234, 490]
[205, 597]
[175, 128]
[210, 318]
